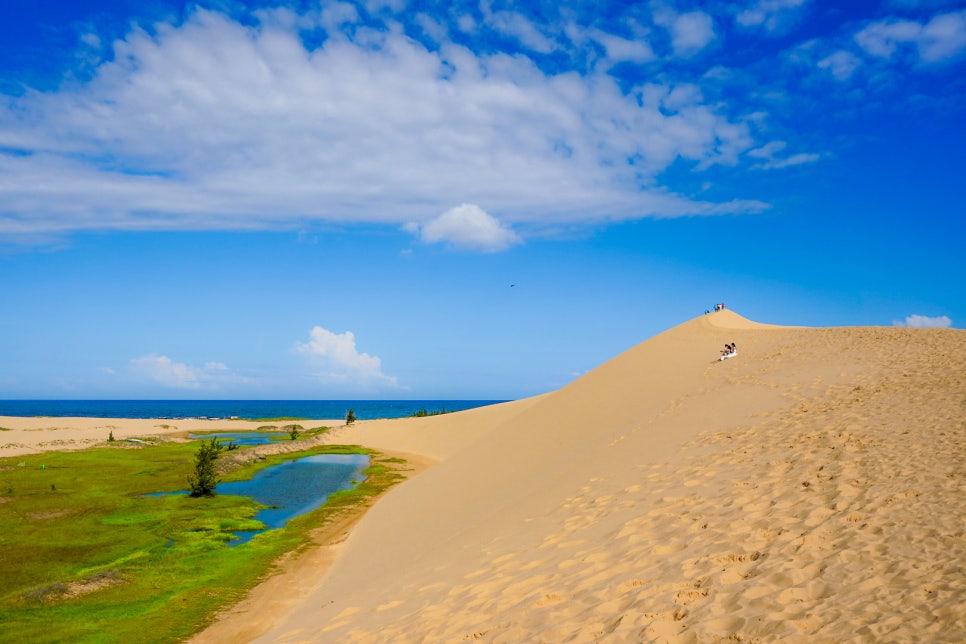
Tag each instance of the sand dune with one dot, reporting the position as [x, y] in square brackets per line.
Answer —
[810, 490]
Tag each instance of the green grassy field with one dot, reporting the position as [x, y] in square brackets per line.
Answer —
[86, 557]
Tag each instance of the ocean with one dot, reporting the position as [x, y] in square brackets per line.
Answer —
[245, 409]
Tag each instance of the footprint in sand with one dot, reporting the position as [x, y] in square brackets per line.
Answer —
[548, 600]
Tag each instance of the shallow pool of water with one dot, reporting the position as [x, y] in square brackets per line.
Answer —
[296, 487]
[247, 439]
[293, 488]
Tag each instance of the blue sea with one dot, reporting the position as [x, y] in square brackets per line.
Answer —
[245, 409]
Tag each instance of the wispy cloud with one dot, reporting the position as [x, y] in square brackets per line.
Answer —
[336, 360]
[923, 321]
[520, 27]
[841, 64]
[771, 159]
[940, 39]
[771, 16]
[371, 126]
[177, 375]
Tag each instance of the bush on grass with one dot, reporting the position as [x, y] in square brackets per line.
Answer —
[204, 479]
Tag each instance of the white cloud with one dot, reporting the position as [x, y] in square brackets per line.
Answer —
[396, 6]
[770, 159]
[690, 32]
[337, 14]
[773, 16]
[619, 49]
[339, 362]
[883, 38]
[944, 37]
[940, 39]
[469, 226]
[431, 27]
[922, 321]
[211, 124]
[163, 370]
[521, 28]
[840, 64]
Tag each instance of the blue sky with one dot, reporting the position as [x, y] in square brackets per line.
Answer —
[395, 199]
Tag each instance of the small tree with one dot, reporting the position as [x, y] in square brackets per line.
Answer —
[350, 417]
[204, 479]
[110, 437]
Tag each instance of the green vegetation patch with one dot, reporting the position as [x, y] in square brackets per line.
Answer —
[86, 557]
[422, 413]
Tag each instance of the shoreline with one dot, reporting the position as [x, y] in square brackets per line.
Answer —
[21, 435]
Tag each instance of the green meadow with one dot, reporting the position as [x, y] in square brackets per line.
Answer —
[86, 557]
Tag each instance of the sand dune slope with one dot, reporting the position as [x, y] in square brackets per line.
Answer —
[805, 490]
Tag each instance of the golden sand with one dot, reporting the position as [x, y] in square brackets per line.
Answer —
[810, 489]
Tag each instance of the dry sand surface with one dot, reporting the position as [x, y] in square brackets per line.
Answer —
[30, 435]
[810, 489]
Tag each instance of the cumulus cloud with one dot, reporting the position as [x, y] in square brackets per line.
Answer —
[469, 227]
[178, 375]
[940, 39]
[338, 361]
[690, 32]
[215, 123]
[923, 321]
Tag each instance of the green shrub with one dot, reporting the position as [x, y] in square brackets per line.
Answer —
[204, 479]
[422, 413]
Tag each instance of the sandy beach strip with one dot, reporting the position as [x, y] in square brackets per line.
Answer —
[35, 434]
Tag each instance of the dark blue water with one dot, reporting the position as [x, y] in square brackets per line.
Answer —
[246, 409]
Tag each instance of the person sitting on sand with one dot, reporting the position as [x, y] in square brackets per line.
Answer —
[727, 350]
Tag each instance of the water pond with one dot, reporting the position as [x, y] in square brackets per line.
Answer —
[294, 487]
[246, 439]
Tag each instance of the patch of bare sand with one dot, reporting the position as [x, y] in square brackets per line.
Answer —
[809, 490]
[34, 434]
